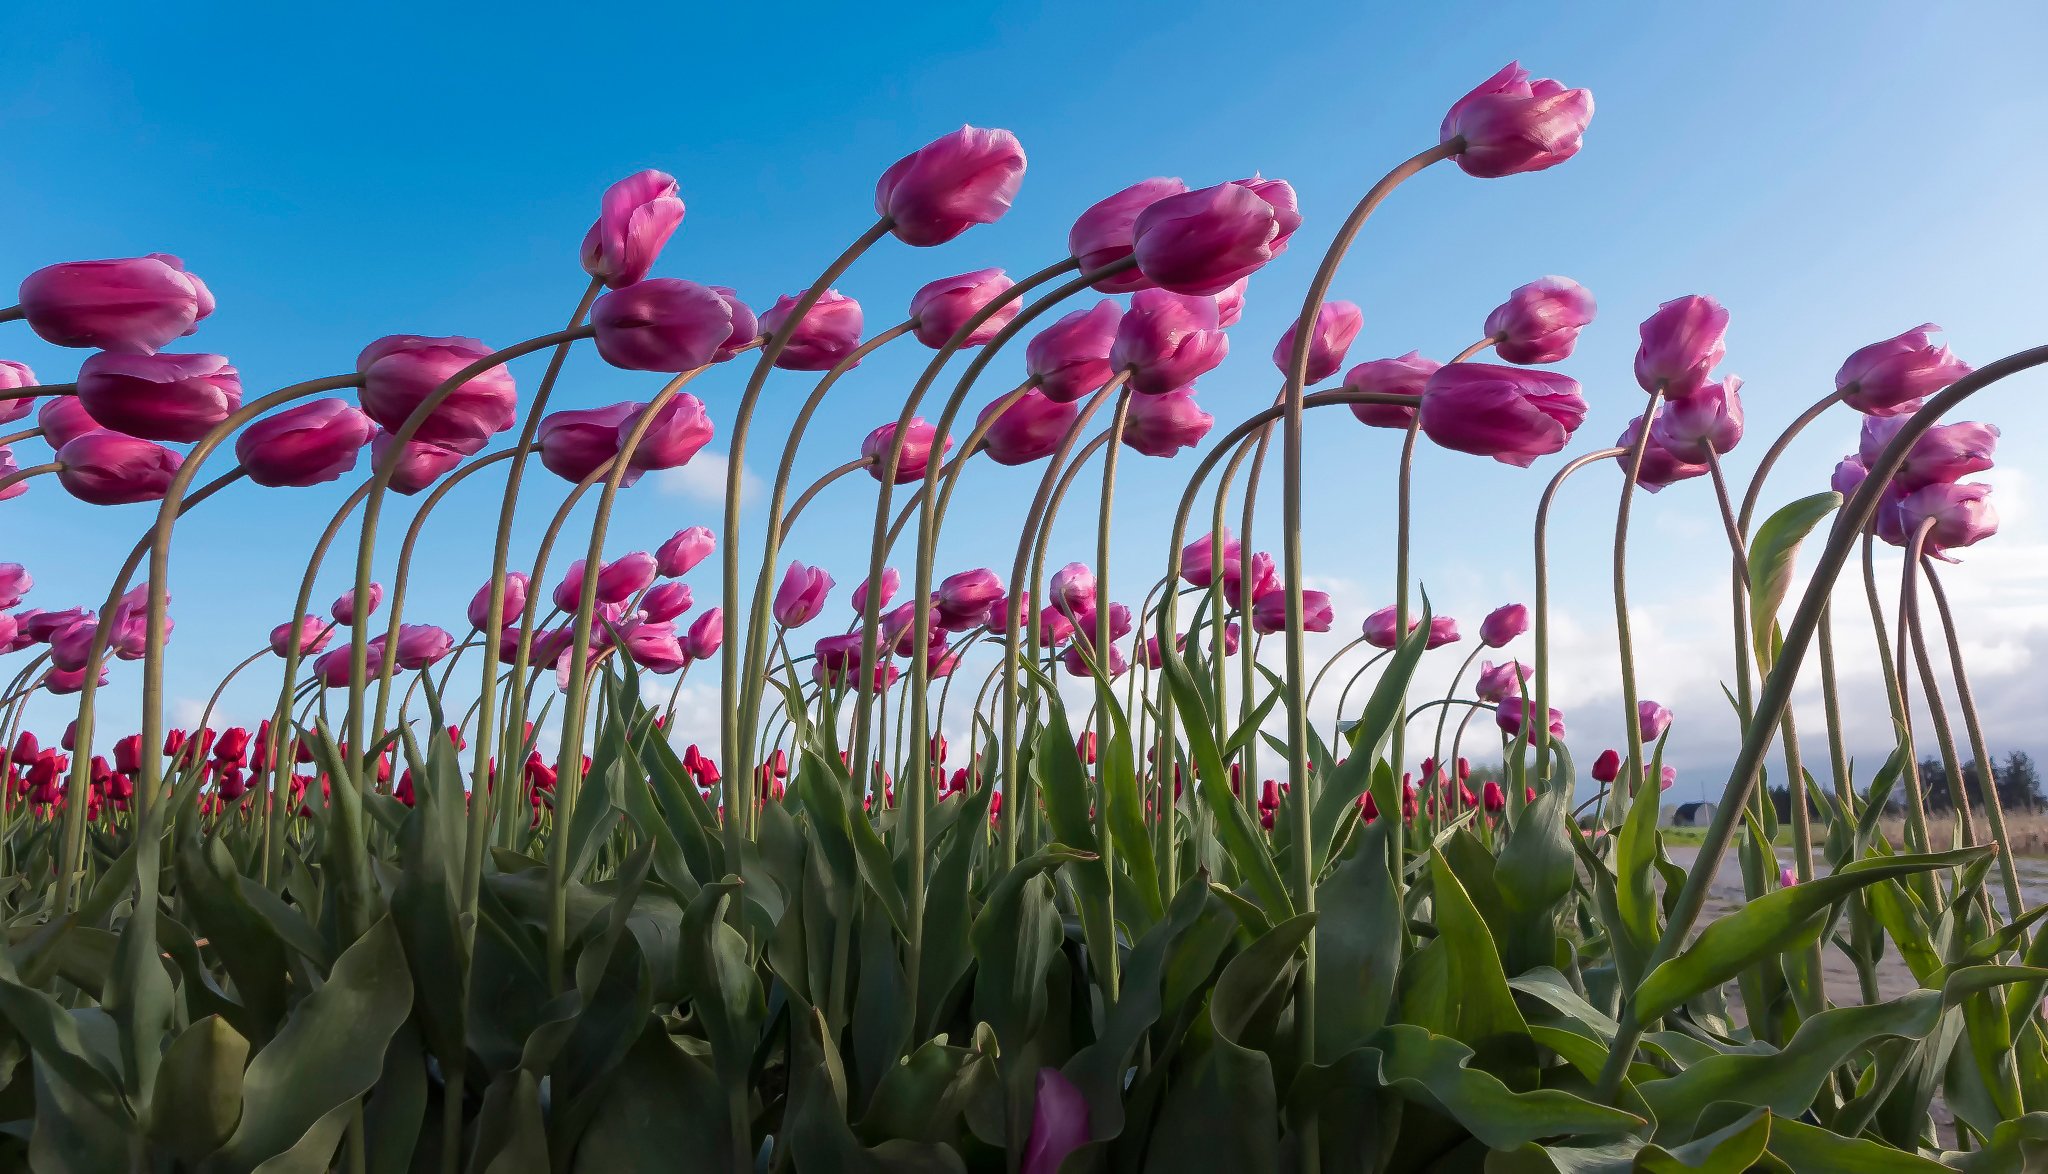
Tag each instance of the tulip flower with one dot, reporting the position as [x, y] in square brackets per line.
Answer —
[1030, 428]
[1070, 358]
[1103, 234]
[662, 324]
[41, 625]
[1230, 303]
[823, 338]
[1540, 322]
[1515, 715]
[617, 581]
[401, 371]
[420, 645]
[1498, 682]
[1503, 624]
[1337, 323]
[332, 668]
[1960, 513]
[915, 457]
[1072, 589]
[516, 586]
[158, 396]
[1659, 468]
[1168, 340]
[963, 600]
[1059, 1123]
[11, 639]
[305, 445]
[1886, 378]
[1075, 661]
[1652, 720]
[1197, 557]
[1264, 578]
[1279, 194]
[802, 595]
[950, 185]
[1786, 878]
[14, 376]
[1269, 612]
[635, 219]
[653, 645]
[1682, 343]
[680, 430]
[128, 634]
[1407, 375]
[1492, 798]
[15, 582]
[890, 582]
[420, 465]
[883, 676]
[666, 601]
[1705, 423]
[8, 468]
[942, 308]
[1054, 627]
[1848, 476]
[702, 640]
[577, 442]
[683, 551]
[1201, 242]
[1511, 414]
[1380, 626]
[1947, 452]
[1162, 425]
[1511, 124]
[108, 468]
[346, 612]
[134, 305]
[63, 419]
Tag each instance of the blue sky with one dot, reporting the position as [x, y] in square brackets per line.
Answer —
[1833, 173]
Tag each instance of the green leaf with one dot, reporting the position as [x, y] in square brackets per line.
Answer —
[1239, 836]
[663, 1104]
[1809, 1149]
[198, 1097]
[1771, 554]
[328, 1053]
[1387, 705]
[725, 992]
[1769, 925]
[1016, 935]
[1359, 948]
[1483, 1014]
[1732, 1149]
[1431, 1070]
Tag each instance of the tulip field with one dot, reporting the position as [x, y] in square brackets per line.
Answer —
[475, 898]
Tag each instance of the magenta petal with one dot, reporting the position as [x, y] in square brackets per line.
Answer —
[1059, 1123]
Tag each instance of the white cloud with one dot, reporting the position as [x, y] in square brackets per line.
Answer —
[703, 479]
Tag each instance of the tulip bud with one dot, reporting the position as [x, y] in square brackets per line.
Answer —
[1162, 425]
[157, 396]
[108, 468]
[576, 443]
[346, 611]
[1499, 681]
[1516, 714]
[1508, 413]
[1167, 341]
[1607, 767]
[1269, 612]
[801, 596]
[305, 445]
[1887, 378]
[681, 428]
[1070, 359]
[420, 645]
[662, 324]
[1029, 428]
[1660, 467]
[1652, 720]
[1102, 235]
[963, 599]
[915, 456]
[1947, 452]
[1511, 124]
[134, 305]
[1540, 322]
[941, 309]
[1682, 343]
[684, 550]
[1201, 242]
[701, 642]
[637, 216]
[1197, 558]
[1703, 424]
[1336, 325]
[420, 465]
[14, 376]
[827, 334]
[890, 582]
[15, 582]
[1379, 629]
[665, 601]
[401, 371]
[1503, 624]
[950, 185]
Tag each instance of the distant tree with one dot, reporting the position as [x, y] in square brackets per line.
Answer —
[2019, 784]
[1934, 788]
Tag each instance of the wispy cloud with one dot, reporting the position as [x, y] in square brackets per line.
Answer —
[703, 479]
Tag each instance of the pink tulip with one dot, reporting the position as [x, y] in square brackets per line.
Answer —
[1072, 589]
[1848, 476]
[1028, 429]
[664, 324]
[1540, 322]
[1200, 242]
[333, 669]
[1407, 375]
[40, 625]
[1514, 715]
[654, 645]
[617, 581]
[1168, 340]
[1705, 423]
[683, 551]
[1960, 512]
[1070, 358]
[1500, 681]
[1162, 425]
[135, 305]
[517, 585]
[1947, 452]
[1380, 626]
[1103, 234]
[1264, 578]
[883, 676]
[63, 684]
[1197, 558]
[824, 337]
[1652, 720]
[941, 309]
[950, 185]
[802, 595]
[1660, 467]
[401, 371]
[680, 430]
[915, 457]
[702, 640]
[1503, 624]
[420, 645]
[1885, 378]
[575, 443]
[345, 611]
[963, 600]
[15, 582]
[637, 216]
[1511, 414]
[1286, 208]
[1230, 303]
[1511, 124]
[891, 582]
[13, 377]
[1075, 661]
[8, 468]
[108, 468]
[1059, 1123]
[1786, 878]
[306, 445]
[746, 327]
[63, 419]
[1269, 612]
[1337, 323]
[420, 465]
[158, 396]
[666, 601]
[1682, 343]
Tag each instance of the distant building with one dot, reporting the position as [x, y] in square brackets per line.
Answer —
[1692, 815]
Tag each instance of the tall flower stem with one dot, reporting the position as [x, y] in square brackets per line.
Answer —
[1632, 772]
[816, 487]
[15, 478]
[1987, 783]
[949, 477]
[1539, 733]
[1911, 634]
[1895, 695]
[1105, 657]
[24, 434]
[1776, 695]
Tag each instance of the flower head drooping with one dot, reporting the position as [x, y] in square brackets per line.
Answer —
[1682, 343]
[684, 550]
[420, 465]
[943, 308]
[133, 305]
[666, 324]
[1028, 429]
[1503, 624]
[950, 185]
[1379, 629]
[801, 596]
[1540, 322]
[1162, 425]
[401, 371]
[635, 219]
[576, 442]
[1201, 242]
[1514, 715]
[1406, 375]
[1103, 234]
[916, 455]
[1512, 124]
[1652, 720]
[346, 612]
[1337, 324]
[1660, 466]
[305, 445]
[159, 396]
[823, 338]
[1508, 413]
[1070, 359]
[1168, 340]
[1888, 378]
[1702, 425]
[109, 468]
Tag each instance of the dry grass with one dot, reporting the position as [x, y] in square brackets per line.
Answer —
[2028, 830]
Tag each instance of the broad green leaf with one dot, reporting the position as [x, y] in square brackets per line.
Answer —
[1483, 1014]
[1431, 1069]
[1809, 1149]
[662, 1104]
[1771, 555]
[198, 1096]
[1358, 949]
[1348, 781]
[1240, 837]
[725, 993]
[1731, 1149]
